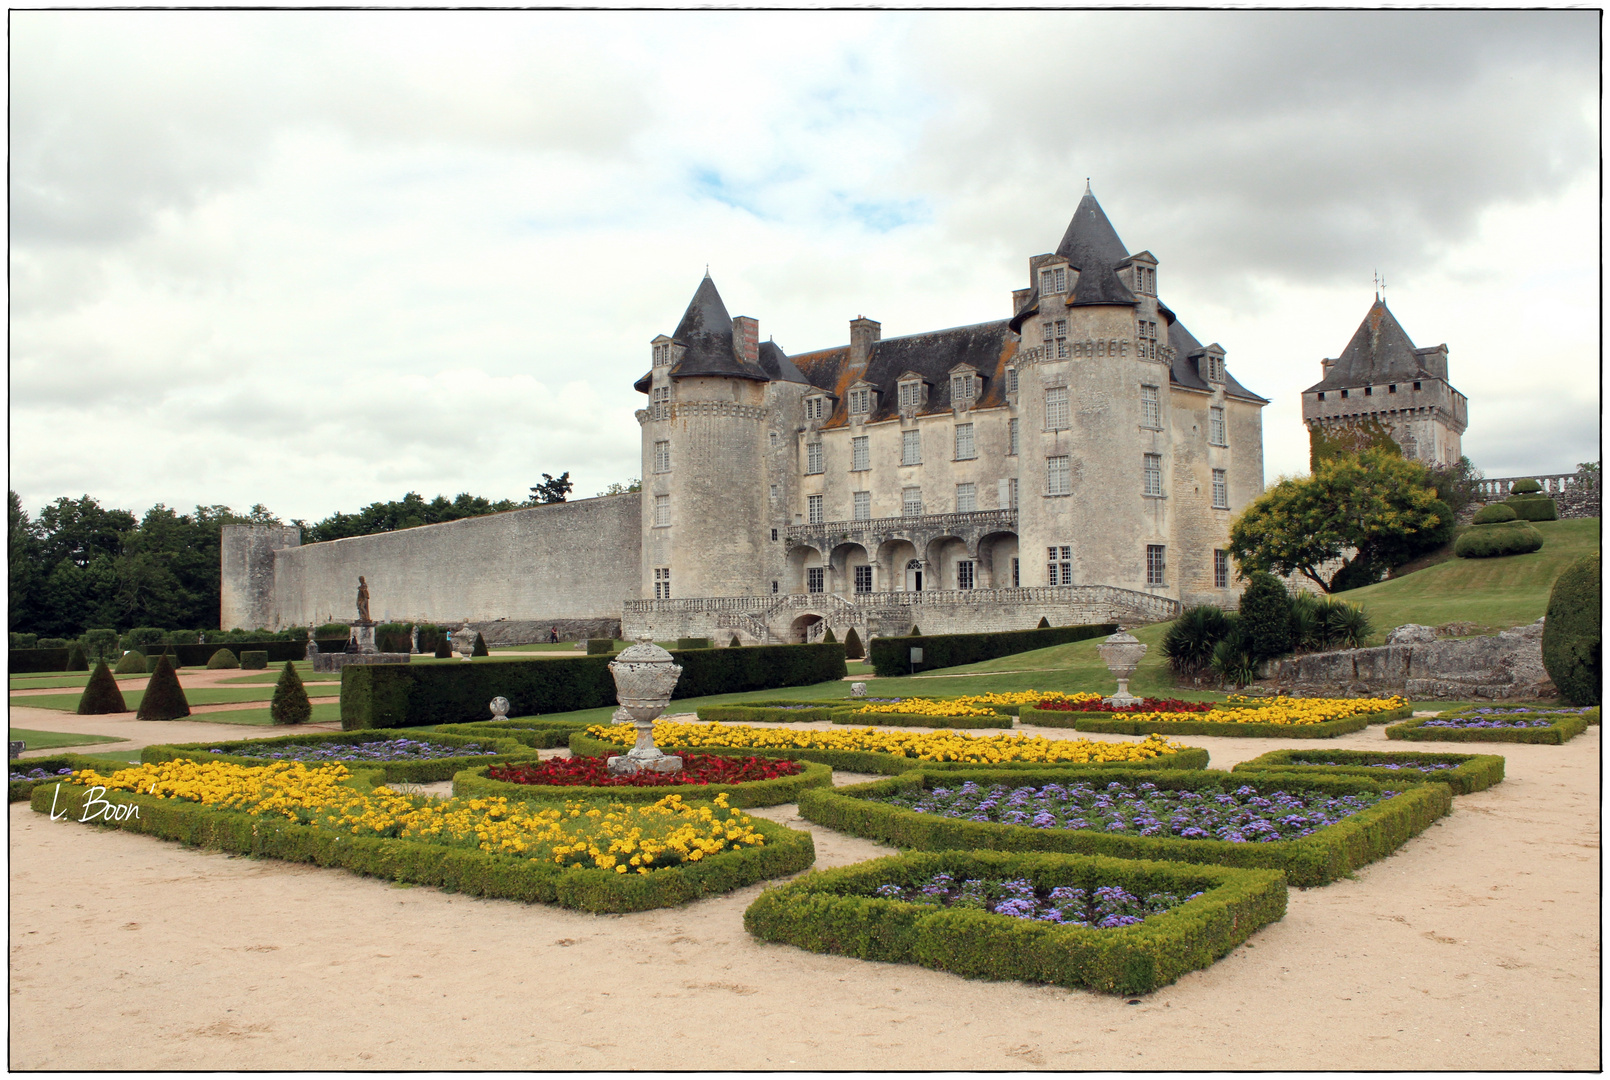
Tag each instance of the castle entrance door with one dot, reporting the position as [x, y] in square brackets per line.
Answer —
[914, 576]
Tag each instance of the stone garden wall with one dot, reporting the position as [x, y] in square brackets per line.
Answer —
[1418, 665]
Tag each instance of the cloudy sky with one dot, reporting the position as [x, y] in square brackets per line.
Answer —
[318, 259]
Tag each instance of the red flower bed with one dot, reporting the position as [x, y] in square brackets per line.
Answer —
[1151, 704]
[594, 772]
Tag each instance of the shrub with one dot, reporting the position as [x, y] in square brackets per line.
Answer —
[1495, 541]
[77, 659]
[24, 661]
[444, 647]
[852, 646]
[23, 641]
[290, 704]
[835, 911]
[1492, 515]
[1571, 632]
[916, 631]
[1471, 772]
[1189, 640]
[735, 643]
[222, 659]
[132, 663]
[410, 695]
[1346, 625]
[101, 645]
[142, 638]
[394, 637]
[526, 730]
[1043, 624]
[1563, 730]
[333, 630]
[1265, 621]
[600, 646]
[1525, 487]
[198, 655]
[101, 694]
[52, 643]
[828, 638]
[479, 648]
[181, 637]
[891, 656]
[1232, 663]
[472, 780]
[1533, 507]
[693, 643]
[254, 659]
[1355, 573]
[152, 661]
[164, 698]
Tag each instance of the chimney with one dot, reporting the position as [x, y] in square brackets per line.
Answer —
[864, 333]
[746, 338]
[1325, 365]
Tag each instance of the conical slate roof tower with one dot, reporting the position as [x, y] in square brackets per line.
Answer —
[705, 334]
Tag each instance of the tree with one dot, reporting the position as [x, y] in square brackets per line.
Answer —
[1376, 503]
[551, 490]
[1571, 632]
[290, 704]
[1265, 618]
[617, 488]
[1457, 484]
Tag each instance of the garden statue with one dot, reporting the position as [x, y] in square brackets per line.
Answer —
[413, 642]
[500, 708]
[644, 678]
[312, 645]
[363, 600]
[1122, 653]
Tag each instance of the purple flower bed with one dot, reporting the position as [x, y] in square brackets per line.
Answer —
[1241, 816]
[1521, 710]
[1105, 907]
[39, 774]
[1430, 766]
[389, 750]
[1465, 723]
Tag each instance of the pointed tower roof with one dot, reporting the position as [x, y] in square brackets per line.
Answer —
[1380, 352]
[705, 334]
[1091, 245]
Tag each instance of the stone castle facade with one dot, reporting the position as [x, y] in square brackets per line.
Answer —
[1080, 461]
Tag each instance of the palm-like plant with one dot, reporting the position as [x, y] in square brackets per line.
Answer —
[1188, 643]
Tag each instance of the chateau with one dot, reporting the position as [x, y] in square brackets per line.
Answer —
[1080, 460]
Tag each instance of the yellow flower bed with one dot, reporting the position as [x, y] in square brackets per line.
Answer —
[1289, 711]
[582, 833]
[932, 746]
[972, 704]
[1025, 697]
[920, 707]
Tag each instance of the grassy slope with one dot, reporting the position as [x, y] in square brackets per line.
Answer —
[1497, 593]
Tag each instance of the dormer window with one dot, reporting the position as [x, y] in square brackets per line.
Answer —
[662, 355]
[860, 401]
[963, 388]
[1053, 280]
[815, 407]
[1145, 280]
[1212, 367]
[910, 393]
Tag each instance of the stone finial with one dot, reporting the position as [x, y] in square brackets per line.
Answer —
[500, 708]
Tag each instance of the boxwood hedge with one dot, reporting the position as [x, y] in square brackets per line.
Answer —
[891, 656]
[938, 723]
[1117, 724]
[20, 789]
[1315, 859]
[414, 695]
[473, 872]
[833, 911]
[769, 712]
[783, 789]
[1564, 729]
[1474, 772]
[532, 731]
[416, 772]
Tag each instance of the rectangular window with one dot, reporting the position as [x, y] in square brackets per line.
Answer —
[662, 510]
[1011, 436]
[1062, 350]
[813, 509]
[1054, 281]
[964, 573]
[660, 403]
[774, 491]
[1221, 491]
[1056, 408]
[863, 505]
[815, 407]
[961, 389]
[966, 498]
[1011, 493]
[1221, 569]
[1150, 413]
[1154, 473]
[860, 401]
[662, 456]
[964, 442]
[1062, 328]
[911, 501]
[1058, 478]
[1154, 564]
[860, 453]
[813, 458]
[910, 395]
[863, 579]
[911, 448]
[774, 534]
[1216, 426]
[1047, 330]
[1011, 380]
[774, 586]
[774, 438]
[814, 576]
[1059, 565]
[1016, 583]
[662, 583]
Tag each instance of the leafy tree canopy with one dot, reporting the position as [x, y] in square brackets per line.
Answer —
[552, 490]
[618, 488]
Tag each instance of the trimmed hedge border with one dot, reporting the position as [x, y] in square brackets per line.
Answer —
[1329, 729]
[21, 789]
[1589, 715]
[474, 873]
[1476, 772]
[831, 912]
[419, 695]
[410, 772]
[784, 789]
[891, 656]
[766, 713]
[870, 761]
[938, 723]
[537, 733]
[33, 661]
[1561, 731]
[1320, 857]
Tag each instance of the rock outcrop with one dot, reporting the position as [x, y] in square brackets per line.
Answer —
[1420, 665]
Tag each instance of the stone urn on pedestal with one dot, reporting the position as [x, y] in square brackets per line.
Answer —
[464, 641]
[644, 677]
[1121, 652]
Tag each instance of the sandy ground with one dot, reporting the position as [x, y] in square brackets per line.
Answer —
[1476, 946]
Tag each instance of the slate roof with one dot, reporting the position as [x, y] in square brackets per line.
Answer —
[777, 366]
[988, 347]
[1183, 371]
[1380, 352]
[705, 334]
[1091, 244]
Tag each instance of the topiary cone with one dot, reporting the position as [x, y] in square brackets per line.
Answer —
[290, 705]
[828, 638]
[164, 698]
[101, 694]
[1045, 624]
[852, 646]
[479, 649]
[77, 658]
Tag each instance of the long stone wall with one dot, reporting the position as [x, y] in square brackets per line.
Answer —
[544, 565]
[1508, 664]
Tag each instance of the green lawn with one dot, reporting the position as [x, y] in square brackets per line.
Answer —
[322, 714]
[210, 695]
[50, 740]
[116, 757]
[1497, 593]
